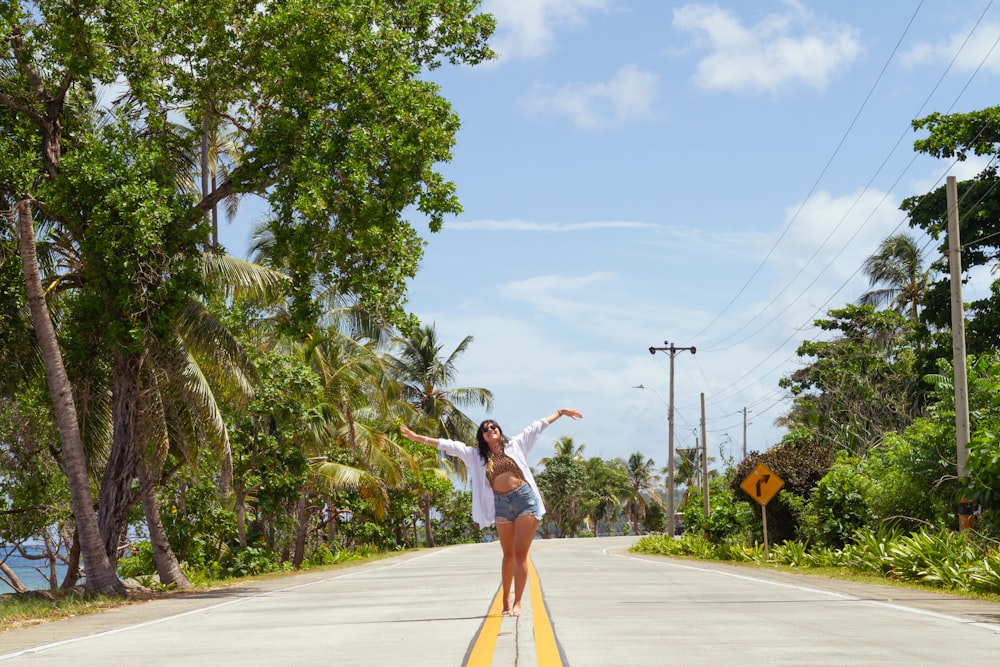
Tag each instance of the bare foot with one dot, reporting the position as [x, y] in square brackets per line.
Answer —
[515, 610]
[510, 602]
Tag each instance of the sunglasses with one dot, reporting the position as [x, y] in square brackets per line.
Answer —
[490, 427]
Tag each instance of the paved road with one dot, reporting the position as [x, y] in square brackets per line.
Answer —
[596, 605]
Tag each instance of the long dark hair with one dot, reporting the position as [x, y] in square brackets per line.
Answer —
[484, 448]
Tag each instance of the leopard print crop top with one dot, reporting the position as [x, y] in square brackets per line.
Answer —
[500, 464]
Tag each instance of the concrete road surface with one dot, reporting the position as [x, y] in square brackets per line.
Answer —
[591, 603]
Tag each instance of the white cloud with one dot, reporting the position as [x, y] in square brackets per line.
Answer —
[839, 232]
[967, 169]
[981, 50]
[525, 28]
[780, 50]
[628, 96]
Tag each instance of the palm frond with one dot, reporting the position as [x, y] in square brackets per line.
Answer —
[233, 277]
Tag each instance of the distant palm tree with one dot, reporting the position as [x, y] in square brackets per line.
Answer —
[898, 270]
[565, 446]
[688, 471]
[641, 478]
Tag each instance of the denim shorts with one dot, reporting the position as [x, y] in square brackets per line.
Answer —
[519, 502]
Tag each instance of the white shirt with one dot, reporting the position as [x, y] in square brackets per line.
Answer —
[517, 448]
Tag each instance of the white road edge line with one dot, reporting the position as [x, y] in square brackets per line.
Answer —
[992, 627]
[106, 633]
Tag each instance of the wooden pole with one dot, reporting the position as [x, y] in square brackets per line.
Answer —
[966, 519]
[671, 522]
[704, 461]
[763, 519]
[744, 433]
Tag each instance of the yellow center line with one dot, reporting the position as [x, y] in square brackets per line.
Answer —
[481, 654]
[546, 647]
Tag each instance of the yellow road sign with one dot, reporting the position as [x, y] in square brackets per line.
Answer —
[762, 484]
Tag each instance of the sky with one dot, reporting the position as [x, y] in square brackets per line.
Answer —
[637, 173]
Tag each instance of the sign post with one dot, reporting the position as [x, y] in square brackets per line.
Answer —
[762, 485]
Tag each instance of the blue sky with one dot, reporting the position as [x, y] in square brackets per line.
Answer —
[636, 171]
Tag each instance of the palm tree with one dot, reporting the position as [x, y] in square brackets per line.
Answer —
[565, 446]
[184, 378]
[641, 479]
[898, 270]
[350, 446]
[607, 481]
[101, 576]
[426, 377]
[688, 468]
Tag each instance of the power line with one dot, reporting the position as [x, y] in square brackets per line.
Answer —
[717, 395]
[819, 178]
[867, 187]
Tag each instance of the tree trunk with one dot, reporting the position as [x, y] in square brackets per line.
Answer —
[73, 564]
[116, 496]
[52, 559]
[167, 566]
[241, 514]
[300, 530]
[101, 577]
[12, 579]
[427, 522]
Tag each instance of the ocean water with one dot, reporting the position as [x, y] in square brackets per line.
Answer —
[30, 577]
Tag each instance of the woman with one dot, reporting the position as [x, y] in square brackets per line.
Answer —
[504, 492]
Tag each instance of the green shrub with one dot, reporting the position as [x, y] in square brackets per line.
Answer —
[140, 563]
[792, 553]
[837, 507]
[251, 560]
[321, 556]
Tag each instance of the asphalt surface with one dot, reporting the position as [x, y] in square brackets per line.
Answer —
[600, 605]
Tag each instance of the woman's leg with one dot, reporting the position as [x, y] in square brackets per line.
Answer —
[505, 531]
[524, 533]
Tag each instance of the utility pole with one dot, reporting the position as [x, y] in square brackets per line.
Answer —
[744, 434]
[673, 350]
[704, 460]
[965, 516]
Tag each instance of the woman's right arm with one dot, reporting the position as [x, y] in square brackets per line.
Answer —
[422, 439]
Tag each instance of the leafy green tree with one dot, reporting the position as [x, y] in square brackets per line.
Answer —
[911, 477]
[34, 498]
[731, 520]
[838, 506]
[564, 486]
[983, 464]
[454, 524]
[955, 137]
[333, 127]
[859, 384]
[608, 482]
[801, 463]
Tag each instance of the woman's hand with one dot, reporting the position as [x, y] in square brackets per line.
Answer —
[564, 412]
[410, 435]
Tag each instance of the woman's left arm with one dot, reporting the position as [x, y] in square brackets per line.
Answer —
[563, 412]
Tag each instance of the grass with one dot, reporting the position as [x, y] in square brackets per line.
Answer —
[940, 562]
[19, 610]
